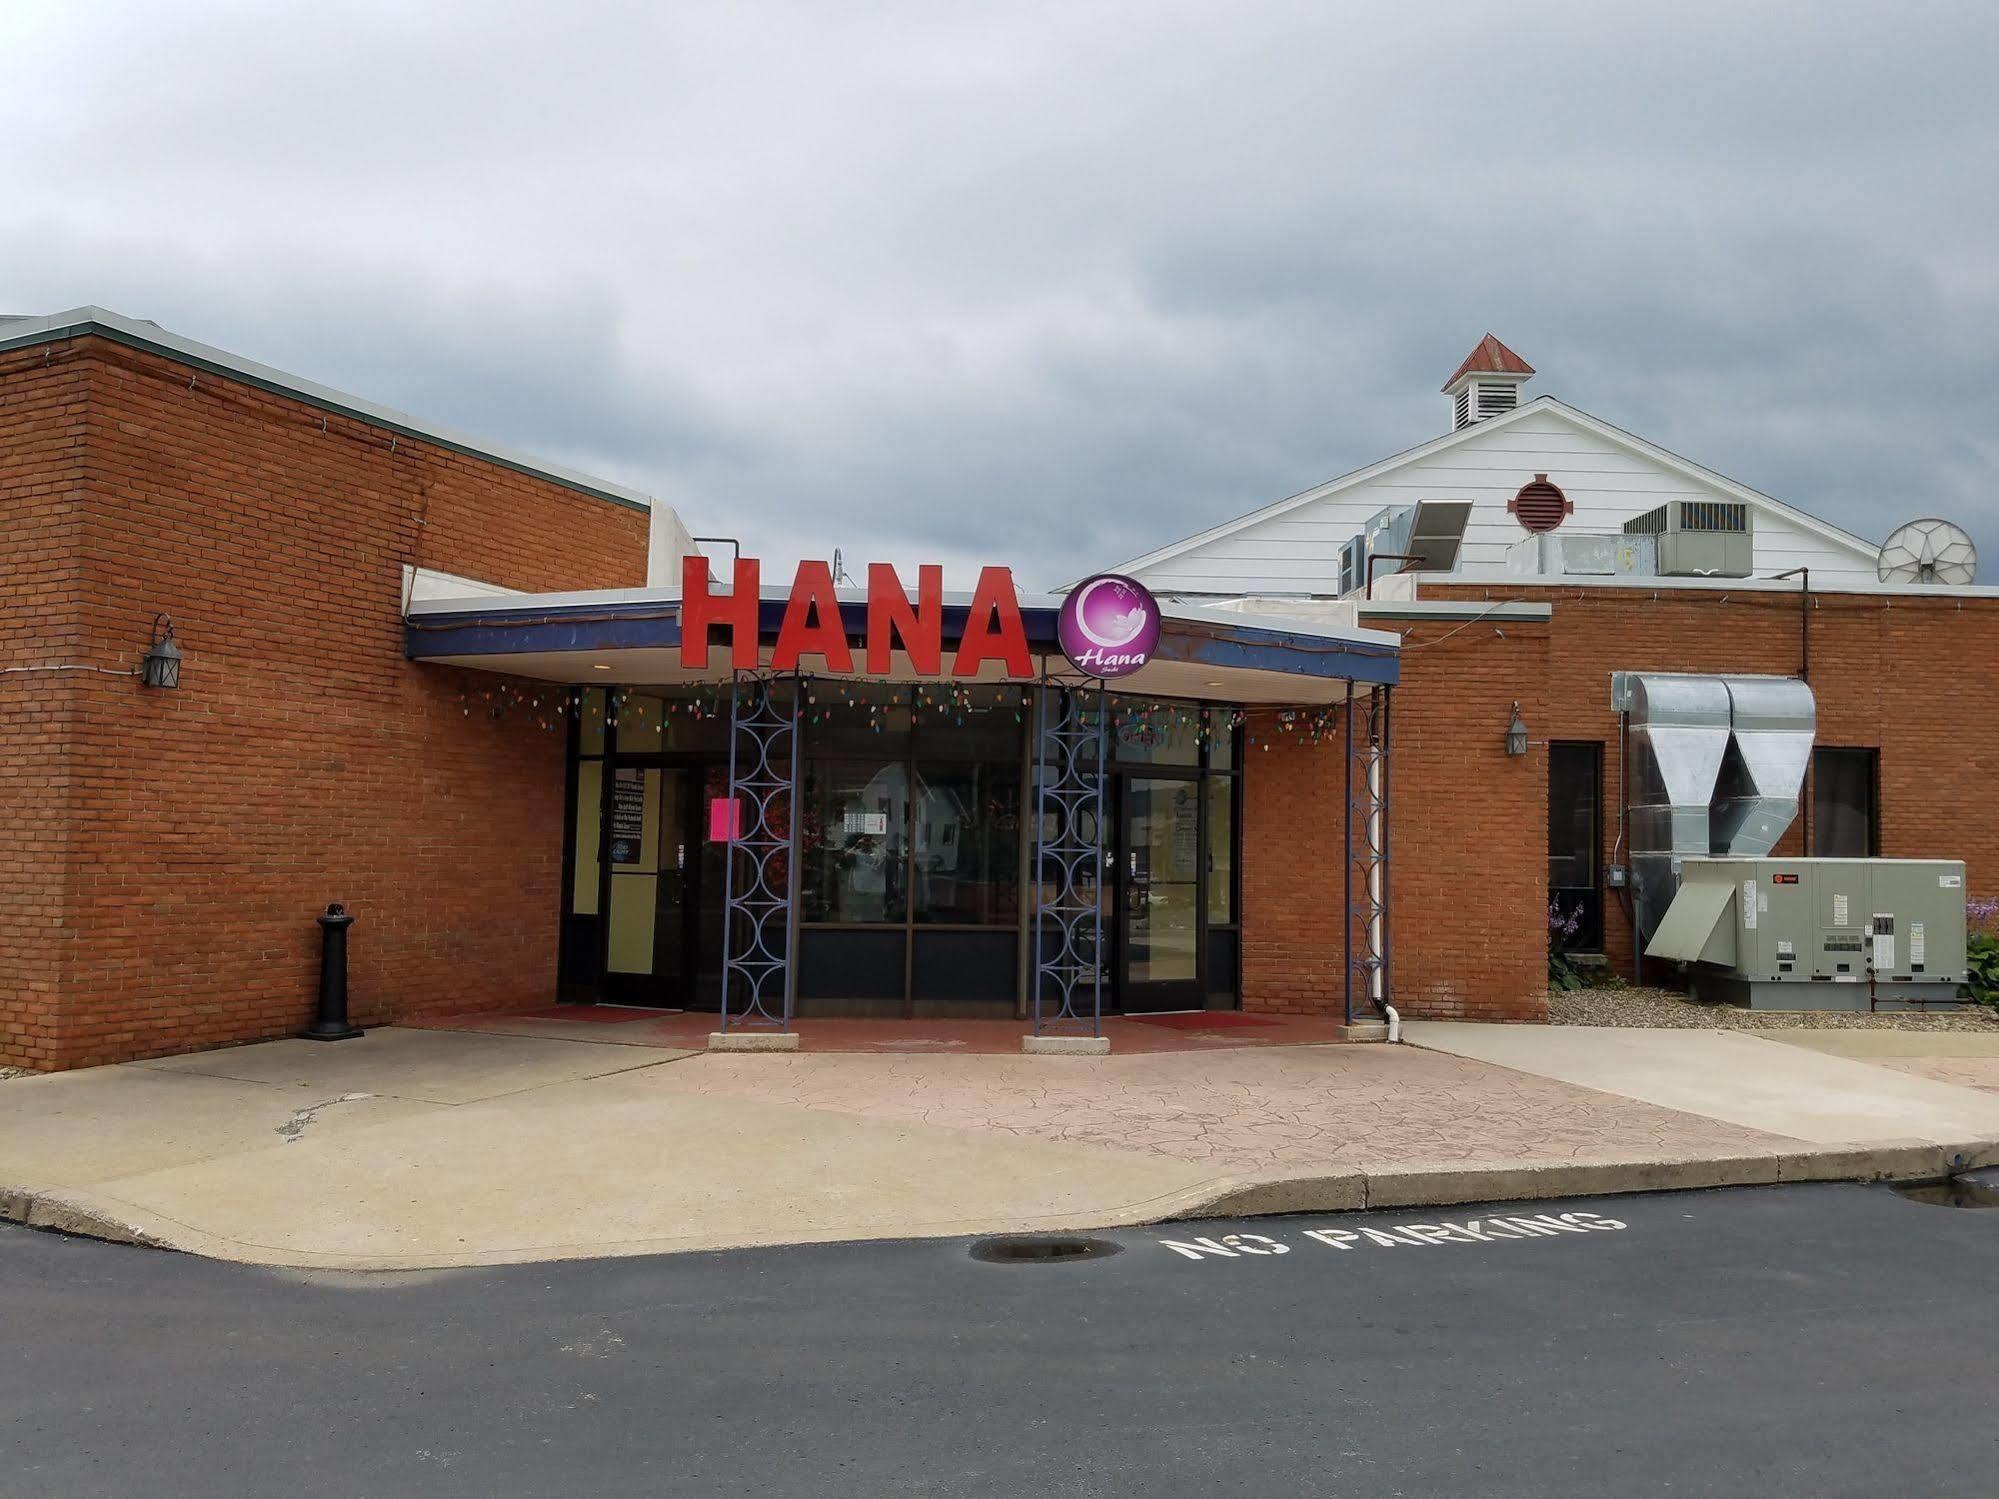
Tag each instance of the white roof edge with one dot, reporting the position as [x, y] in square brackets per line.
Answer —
[25, 332]
[1455, 609]
[1545, 403]
[1187, 613]
[1727, 585]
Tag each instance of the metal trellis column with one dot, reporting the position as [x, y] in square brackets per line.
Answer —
[1070, 726]
[760, 879]
[1346, 856]
[1367, 806]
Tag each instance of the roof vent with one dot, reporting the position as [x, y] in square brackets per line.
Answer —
[1487, 384]
[1540, 506]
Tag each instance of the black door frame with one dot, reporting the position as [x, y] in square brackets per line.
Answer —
[1157, 995]
[1589, 898]
[645, 990]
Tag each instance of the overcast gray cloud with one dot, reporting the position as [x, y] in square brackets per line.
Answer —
[1050, 284]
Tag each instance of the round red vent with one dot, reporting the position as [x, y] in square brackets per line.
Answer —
[1540, 506]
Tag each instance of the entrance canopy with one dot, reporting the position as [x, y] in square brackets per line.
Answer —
[634, 635]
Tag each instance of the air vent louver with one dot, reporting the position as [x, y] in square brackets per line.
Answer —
[1540, 506]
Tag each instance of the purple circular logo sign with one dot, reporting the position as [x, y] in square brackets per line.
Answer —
[1109, 626]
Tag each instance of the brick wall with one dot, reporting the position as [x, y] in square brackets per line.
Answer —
[1291, 883]
[1468, 894]
[42, 456]
[302, 759]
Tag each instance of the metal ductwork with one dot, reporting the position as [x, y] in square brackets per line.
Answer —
[1716, 768]
[1772, 722]
[1678, 730]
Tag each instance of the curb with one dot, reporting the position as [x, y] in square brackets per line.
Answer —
[66, 1215]
[1448, 1185]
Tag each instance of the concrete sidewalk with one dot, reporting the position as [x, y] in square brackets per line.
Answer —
[414, 1148]
[1822, 1087]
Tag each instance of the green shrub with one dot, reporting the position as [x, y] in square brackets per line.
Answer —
[1982, 954]
[1981, 950]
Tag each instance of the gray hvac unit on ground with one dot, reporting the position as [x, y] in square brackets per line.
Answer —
[1699, 538]
[1716, 765]
[1819, 934]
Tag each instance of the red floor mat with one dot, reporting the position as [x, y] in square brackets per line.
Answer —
[1203, 1020]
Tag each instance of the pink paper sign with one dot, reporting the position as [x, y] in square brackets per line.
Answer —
[725, 819]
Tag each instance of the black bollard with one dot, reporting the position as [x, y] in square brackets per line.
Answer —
[331, 1024]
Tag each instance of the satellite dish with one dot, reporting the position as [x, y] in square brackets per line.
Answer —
[1927, 551]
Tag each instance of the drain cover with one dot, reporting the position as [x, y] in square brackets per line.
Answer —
[1041, 1249]
[1968, 1189]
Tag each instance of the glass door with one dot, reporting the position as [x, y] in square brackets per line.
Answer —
[1159, 882]
[646, 854]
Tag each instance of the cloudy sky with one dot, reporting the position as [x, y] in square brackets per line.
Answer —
[1045, 283]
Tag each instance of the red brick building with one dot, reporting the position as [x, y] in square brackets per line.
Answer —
[1558, 579]
[168, 849]
[367, 714]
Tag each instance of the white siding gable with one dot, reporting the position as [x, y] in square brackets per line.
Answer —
[1294, 546]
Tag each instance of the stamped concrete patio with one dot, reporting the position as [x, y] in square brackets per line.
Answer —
[1317, 1107]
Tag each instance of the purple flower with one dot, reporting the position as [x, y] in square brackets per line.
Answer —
[1982, 913]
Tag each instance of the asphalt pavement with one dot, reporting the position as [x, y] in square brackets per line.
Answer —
[1808, 1340]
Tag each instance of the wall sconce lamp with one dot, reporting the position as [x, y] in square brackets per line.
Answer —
[1516, 734]
[161, 666]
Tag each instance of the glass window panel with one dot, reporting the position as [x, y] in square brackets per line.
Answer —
[697, 723]
[859, 718]
[966, 843]
[589, 823]
[970, 723]
[1843, 813]
[635, 826]
[641, 724]
[854, 841]
[1162, 879]
[590, 722]
[1221, 738]
[634, 906]
[1221, 849]
[1573, 771]
[714, 874]
[634, 820]
[1155, 733]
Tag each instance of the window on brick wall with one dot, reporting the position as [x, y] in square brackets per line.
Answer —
[1845, 803]
[1575, 841]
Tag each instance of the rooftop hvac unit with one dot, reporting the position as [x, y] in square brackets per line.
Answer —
[1699, 538]
[1420, 538]
[1819, 934]
[1582, 554]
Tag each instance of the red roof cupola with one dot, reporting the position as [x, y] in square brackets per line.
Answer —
[1487, 384]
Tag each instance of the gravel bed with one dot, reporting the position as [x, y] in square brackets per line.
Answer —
[7, 1072]
[1663, 1007]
